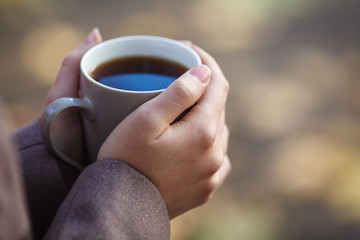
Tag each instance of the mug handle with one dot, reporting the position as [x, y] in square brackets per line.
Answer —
[49, 116]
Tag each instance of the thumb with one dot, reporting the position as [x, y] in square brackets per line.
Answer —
[183, 93]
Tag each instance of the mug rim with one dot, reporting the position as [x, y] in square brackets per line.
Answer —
[127, 38]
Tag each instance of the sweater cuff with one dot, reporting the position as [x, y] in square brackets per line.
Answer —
[111, 200]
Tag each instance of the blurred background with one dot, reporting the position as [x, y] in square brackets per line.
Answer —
[293, 109]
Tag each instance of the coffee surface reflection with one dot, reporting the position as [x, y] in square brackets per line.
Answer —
[138, 73]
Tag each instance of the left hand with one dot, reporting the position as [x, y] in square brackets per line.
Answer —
[67, 128]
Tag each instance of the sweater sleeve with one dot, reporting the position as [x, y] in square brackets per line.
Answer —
[111, 200]
[14, 222]
[108, 200]
[45, 184]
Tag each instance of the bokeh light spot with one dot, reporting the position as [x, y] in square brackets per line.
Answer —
[149, 23]
[43, 49]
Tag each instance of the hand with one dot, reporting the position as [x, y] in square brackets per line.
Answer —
[67, 129]
[187, 160]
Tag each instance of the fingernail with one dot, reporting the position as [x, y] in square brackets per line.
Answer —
[187, 42]
[93, 37]
[201, 72]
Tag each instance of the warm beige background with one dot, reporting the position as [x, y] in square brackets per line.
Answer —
[293, 109]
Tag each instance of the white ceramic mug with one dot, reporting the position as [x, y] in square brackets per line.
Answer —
[103, 107]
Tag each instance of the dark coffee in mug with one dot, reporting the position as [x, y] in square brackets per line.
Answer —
[138, 73]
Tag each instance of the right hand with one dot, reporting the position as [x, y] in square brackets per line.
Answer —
[187, 160]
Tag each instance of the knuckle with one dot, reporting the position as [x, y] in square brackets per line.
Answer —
[226, 131]
[184, 92]
[204, 199]
[214, 163]
[225, 139]
[228, 167]
[226, 86]
[207, 191]
[207, 135]
[210, 59]
[210, 186]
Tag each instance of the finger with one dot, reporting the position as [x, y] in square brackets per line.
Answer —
[68, 76]
[161, 111]
[225, 138]
[220, 176]
[224, 133]
[211, 105]
[67, 80]
[214, 154]
[186, 42]
[216, 95]
[218, 147]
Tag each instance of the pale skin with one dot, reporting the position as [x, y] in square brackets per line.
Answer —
[187, 161]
